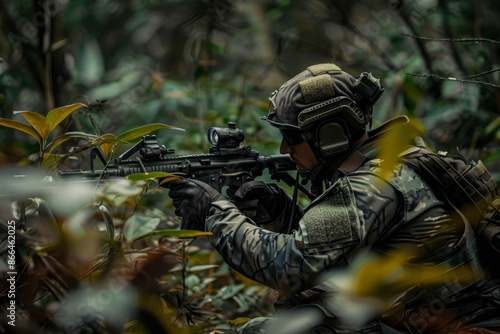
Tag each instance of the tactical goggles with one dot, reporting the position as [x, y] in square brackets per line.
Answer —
[291, 137]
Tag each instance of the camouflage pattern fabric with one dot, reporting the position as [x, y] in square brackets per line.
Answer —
[360, 211]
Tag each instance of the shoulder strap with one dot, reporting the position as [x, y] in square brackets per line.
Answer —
[358, 157]
[467, 185]
[374, 141]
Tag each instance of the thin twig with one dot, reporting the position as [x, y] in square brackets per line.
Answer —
[457, 40]
[483, 73]
[454, 79]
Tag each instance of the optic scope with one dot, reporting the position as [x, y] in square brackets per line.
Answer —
[229, 137]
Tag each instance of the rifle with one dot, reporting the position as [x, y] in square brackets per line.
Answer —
[228, 165]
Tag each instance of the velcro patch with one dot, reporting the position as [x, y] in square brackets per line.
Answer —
[323, 68]
[332, 220]
[317, 88]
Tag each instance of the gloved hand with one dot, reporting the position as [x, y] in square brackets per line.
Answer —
[267, 205]
[192, 200]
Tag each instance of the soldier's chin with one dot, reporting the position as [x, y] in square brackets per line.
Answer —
[301, 168]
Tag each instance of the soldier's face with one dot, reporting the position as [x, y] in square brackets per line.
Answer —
[300, 153]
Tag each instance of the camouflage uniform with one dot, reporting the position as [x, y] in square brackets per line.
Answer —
[360, 211]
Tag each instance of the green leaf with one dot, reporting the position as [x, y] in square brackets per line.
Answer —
[49, 159]
[37, 121]
[79, 135]
[219, 49]
[137, 226]
[54, 144]
[493, 127]
[21, 127]
[144, 130]
[105, 138]
[230, 291]
[204, 267]
[56, 116]
[191, 281]
[125, 188]
[68, 136]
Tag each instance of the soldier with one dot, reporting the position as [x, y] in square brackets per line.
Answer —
[323, 114]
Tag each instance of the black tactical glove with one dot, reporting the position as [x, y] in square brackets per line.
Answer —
[267, 205]
[192, 199]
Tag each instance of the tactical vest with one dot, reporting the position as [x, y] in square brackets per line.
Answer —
[468, 189]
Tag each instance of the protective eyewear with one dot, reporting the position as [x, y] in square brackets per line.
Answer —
[291, 137]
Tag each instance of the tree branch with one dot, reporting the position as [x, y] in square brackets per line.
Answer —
[454, 79]
[454, 40]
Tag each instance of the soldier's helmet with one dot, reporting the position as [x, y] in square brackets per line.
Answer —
[325, 106]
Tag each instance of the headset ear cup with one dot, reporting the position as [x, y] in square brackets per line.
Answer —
[332, 139]
[336, 135]
[333, 125]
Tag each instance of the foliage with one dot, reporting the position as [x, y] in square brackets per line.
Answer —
[103, 73]
[112, 262]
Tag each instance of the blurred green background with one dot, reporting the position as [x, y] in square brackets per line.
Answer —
[196, 64]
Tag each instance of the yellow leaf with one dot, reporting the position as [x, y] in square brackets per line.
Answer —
[56, 116]
[395, 141]
[172, 177]
[105, 138]
[175, 234]
[150, 175]
[37, 121]
[54, 144]
[21, 127]
[106, 148]
[383, 277]
[105, 142]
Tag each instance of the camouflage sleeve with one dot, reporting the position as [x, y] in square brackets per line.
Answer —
[332, 226]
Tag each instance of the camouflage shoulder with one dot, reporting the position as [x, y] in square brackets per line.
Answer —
[330, 222]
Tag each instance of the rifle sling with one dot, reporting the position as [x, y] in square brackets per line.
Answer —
[374, 141]
[358, 157]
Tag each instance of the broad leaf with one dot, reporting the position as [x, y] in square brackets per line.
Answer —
[137, 226]
[105, 138]
[56, 116]
[49, 159]
[175, 234]
[79, 135]
[105, 142]
[144, 130]
[55, 143]
[204, 267]
[37, 121]
[21, 127]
